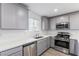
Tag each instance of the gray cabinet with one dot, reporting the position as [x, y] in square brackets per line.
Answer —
[48, 42]
[13, 16]
[52, 23]
[17, 54]
[14, 51]
[44, 23]
[58, 19]
[77, 47]
[73, 46]
[52, 42]
[42, 45]
[61, 19]
[30, 50]
[74, 21]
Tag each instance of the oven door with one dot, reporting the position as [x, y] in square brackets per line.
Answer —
[63, 44]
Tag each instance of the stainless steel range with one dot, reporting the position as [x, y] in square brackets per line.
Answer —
[62, 42]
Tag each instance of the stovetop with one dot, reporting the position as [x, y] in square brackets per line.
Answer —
[62, 36]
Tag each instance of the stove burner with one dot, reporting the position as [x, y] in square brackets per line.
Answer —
[63, 35]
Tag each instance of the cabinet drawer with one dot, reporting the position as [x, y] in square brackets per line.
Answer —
[19, 53]
[11, 51]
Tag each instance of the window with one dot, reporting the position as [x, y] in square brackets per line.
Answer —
[34, 24]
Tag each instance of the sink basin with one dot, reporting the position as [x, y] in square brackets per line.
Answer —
[38, 37]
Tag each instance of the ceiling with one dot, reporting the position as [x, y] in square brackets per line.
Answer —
[47, 9]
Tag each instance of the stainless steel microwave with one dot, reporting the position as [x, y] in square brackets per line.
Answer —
[62, 25]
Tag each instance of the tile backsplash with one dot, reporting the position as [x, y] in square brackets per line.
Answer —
[74, 34]
[20, 33]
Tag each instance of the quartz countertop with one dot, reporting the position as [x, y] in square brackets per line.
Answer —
[13, 41]
[10, 41]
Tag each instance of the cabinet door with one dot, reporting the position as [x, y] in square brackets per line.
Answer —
[11, 51]
[52, 42]
[74, 46]
[21, 17]
[61, 19]
[19, 53]
[42, 45]
[48, 42]
[45, 44]
[44, 23]
[13, 16]
[39, 47]
[52, 23]
[74, 21]
[8, 18]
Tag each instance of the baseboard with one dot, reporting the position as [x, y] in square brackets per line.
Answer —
[73, 54]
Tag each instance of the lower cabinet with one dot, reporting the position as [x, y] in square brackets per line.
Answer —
[74, 47]
[42, 45]
[25, 50]
[17, 51]
[52, 41]
[48, 42]
[32, 49]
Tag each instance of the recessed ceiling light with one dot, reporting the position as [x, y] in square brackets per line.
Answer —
[55, 10]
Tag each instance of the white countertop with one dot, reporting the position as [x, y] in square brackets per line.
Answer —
[6, 43]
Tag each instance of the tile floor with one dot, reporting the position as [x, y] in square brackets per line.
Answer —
[53, 52]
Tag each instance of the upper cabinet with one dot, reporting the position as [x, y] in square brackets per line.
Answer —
[44, 23]
[74, 21]
[52, 23]
[71, 20]
[61, 19]
[14, 16]
[58, 20]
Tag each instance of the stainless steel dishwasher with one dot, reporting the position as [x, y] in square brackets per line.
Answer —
[30, 49]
